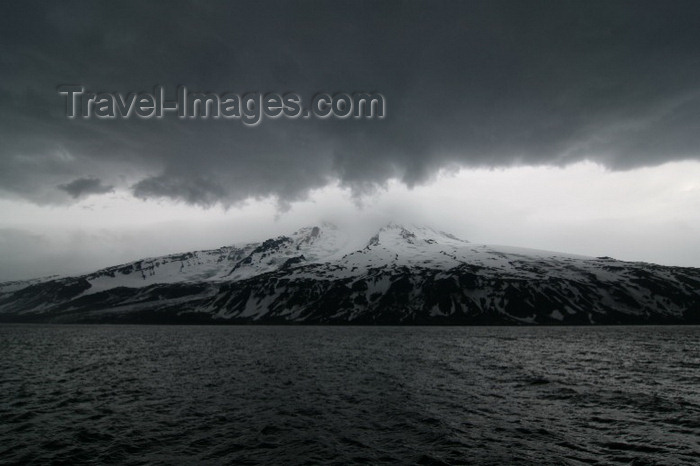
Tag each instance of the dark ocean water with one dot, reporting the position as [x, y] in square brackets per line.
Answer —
[312, 395]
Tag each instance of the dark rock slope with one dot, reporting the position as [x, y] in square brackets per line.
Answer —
[401, 276]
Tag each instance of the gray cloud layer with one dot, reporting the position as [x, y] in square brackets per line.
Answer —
[85, 187]
[467, 84]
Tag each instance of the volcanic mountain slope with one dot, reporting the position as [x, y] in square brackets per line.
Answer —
[401, 276]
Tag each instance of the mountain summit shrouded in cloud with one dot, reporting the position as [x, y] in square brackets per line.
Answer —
[138, 137]
[515, 87]
[402, 275]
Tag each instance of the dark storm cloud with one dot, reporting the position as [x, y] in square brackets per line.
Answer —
[84, 187]
[466, 83]
[192, 190]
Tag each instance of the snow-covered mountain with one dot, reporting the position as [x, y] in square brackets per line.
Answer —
[231, 263]
[402, 275]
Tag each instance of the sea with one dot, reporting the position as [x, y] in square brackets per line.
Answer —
[171, 395]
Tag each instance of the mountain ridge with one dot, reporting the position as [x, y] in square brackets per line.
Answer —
[402, 275]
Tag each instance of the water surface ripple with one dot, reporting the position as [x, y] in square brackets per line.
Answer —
[339, 395]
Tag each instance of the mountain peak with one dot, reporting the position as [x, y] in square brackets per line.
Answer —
[405, 274]
[315, 230]
[395, 233]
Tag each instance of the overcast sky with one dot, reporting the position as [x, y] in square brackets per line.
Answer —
[570, 126]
